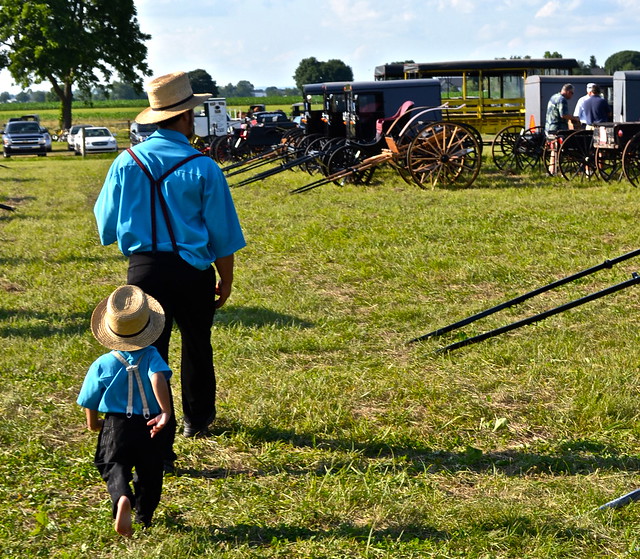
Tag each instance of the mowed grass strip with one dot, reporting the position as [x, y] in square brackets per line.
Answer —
[335, 437]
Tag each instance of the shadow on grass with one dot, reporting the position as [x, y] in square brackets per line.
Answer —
[575, 457]
[28, 324]
[257, 536]
[257, 317]
[42, 324]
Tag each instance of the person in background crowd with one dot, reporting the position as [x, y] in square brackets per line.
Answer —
[578, 110]
[596, 108]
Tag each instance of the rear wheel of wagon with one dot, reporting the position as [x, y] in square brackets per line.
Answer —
[609, 164]
[503, 149]
[631, 160]
[219, 149]
[444, 154]
[530, 147]
[576, 157]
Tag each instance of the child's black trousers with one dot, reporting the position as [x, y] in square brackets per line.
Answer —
[124, 445]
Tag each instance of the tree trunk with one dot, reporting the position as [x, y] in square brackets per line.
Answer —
[66, 99]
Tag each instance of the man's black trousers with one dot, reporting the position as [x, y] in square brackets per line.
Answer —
[187, 296]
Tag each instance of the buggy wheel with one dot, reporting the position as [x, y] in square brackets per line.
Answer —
[346, 158]
[529, 148]
[503, 148]
[609, 164]
[631, 160]
[576, 157]
[399, 162]
[290, 142]
[444, 154]
[219, 149]
[315, 148]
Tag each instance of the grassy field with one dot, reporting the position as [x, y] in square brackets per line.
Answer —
[336, 438]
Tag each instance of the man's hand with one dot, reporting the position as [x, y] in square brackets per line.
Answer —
[224, 267]
[223, 291]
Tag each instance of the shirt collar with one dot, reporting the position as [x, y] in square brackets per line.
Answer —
[171, 135]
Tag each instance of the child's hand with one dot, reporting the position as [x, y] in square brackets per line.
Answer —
[158, 422]
[96, 426]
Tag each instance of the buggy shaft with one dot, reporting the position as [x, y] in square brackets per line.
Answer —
[517, 300]
[546, 314]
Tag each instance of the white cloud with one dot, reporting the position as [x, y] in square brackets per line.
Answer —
[460, 6]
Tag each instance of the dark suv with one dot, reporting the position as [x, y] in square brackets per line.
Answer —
[140, 132]
[24, 136]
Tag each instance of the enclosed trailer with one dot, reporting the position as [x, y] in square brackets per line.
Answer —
[626, 96]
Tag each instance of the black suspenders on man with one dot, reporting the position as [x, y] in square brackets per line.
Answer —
[156, 190]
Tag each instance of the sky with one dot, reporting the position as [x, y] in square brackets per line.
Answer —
[263, 41]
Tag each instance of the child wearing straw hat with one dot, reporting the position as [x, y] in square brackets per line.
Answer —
[129, 385]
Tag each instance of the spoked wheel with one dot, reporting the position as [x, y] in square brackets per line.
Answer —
[347, 157]
[291, 141]
[609, 164]
[317, 149]
[631, 160]
[503, 149]
[444, 154]
[576, 157]
[219, 150]
[327, 151]
[399, 162]
[529, 148]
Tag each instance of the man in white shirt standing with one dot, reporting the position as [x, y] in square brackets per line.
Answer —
[578, 110]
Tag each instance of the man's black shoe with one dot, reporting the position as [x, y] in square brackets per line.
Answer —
[196, 432]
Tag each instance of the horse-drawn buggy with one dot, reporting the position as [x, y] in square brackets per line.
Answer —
[223, 139]
[358, 126]
[609, 151]
[253, 135]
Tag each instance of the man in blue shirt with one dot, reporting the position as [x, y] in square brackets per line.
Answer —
[596, 108]
[171, 212]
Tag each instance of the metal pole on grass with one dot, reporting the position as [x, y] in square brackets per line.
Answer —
[536, 318]
[521, 298]
[622, 501]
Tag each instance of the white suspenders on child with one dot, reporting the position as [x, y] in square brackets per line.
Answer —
[133, 371]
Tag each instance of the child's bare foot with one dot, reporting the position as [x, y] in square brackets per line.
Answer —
[123, 517]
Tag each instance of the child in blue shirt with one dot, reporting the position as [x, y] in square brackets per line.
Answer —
[130, 386]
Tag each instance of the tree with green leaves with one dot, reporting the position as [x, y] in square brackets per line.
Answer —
[68, 42]
[308, 71]
[120, 90]
[623, 60]
[244, 88]
[312, 70]
[202, 82]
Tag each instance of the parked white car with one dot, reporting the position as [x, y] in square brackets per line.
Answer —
[97, 139]
[71, 136]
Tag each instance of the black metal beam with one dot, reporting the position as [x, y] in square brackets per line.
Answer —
[546, 314]
[517, 300]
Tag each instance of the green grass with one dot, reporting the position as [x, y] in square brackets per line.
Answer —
[335, 437]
